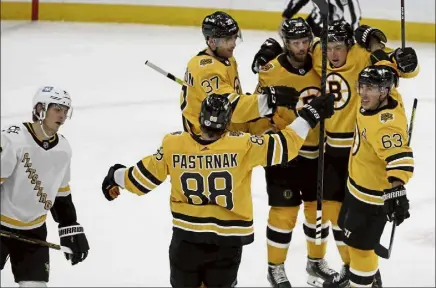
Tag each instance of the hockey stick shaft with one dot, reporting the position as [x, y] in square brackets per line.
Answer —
[380, 250]
[403, 26]
[324, 10]
[22, 238]
[163, 72]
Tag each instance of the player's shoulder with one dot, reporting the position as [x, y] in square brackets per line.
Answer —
[204, 62]
[63, 143]
[389, 118]
[14, 132]
[174, 137]
[270, 67]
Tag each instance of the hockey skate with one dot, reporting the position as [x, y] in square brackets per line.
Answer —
[377, 280]
[342, 280]
[318, 271]
[277, 276]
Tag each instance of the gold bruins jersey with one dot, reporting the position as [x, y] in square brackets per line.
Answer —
[342, 82]
[205, 75]
[380, 153]
[211, 182]
[279, 72]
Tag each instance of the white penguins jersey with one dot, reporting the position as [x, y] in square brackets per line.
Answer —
[33, 174]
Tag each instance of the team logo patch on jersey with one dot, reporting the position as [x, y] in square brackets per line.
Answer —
[13, 129]
[205, 62]
[235, 133]
[287, 194]
[385, 117]
[267, 67]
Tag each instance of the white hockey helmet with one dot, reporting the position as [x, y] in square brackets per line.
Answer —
[47, 95]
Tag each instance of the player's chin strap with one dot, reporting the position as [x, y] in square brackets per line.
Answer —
[381, 101]
[215, 51]
[41, 118]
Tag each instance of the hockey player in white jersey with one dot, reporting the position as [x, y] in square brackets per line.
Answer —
[35, 176]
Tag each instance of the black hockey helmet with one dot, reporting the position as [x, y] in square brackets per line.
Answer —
[295, 28]
[340, 31]
[219, 25]
[216, 113]
[379, 75]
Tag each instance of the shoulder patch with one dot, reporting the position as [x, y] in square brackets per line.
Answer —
[267, 67]
[235, 133]
[205, 62]
[385, 117]
[12, 129]
[176, 133]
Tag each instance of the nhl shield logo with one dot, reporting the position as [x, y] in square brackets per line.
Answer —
[45, 144]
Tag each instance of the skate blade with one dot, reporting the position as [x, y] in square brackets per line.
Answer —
[314, 281]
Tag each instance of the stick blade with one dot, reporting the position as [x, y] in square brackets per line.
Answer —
[382, 251]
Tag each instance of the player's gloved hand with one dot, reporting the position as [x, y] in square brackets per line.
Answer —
[406, 59]
[364, 33]
[269, 50]
[109, 187]
[73, 237]
[321, 107]
[281, 96]
[396, 204]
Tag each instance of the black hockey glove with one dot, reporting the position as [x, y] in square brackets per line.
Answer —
[73, 237]
[396, 204]
[281, 96]
[406, 59]
[321, 107]
[269, 50]
[364, 33]
[109, 187]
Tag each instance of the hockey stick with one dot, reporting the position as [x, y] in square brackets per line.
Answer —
[324, 10]
[163, 72]
[379, 249]
[14, 236]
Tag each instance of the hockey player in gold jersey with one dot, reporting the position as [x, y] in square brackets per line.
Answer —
[214, 70]
[211, 187]
[345, 61]
[381, 163]
[35, 176]
[290, 184]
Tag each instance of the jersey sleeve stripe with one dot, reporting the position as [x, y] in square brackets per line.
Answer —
[402, 167]
[270, 152]
[277, 154]
[398, 156]
[64, 189]
[284, 148]
[135, 182]
[147, 174]
[143, 180]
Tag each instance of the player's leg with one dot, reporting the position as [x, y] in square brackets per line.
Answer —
[317, 267]
[285, 199]
[186, 260]
[335, 179]
[4, 252]
[30, 262]
[222, 270]
[363, 225]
